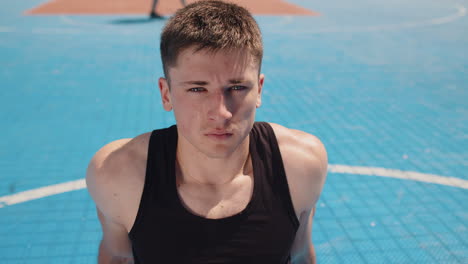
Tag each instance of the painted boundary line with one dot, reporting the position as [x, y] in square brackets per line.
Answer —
[6, 29]
[34, 194]
[399, 174]
[78, 26]
[461, 12]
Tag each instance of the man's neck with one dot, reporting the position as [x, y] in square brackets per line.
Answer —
[196, 167]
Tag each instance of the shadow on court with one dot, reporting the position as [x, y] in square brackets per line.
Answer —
[135, 21]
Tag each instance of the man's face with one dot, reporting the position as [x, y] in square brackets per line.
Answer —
[214, 97]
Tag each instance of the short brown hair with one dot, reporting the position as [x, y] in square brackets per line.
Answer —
[210, 25]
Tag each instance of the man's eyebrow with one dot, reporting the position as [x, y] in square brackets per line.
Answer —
[202, 83]
[236, 81]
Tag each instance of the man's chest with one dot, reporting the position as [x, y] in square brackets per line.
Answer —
[217, 202]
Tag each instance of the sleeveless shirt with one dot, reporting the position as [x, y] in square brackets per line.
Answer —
[164, 230]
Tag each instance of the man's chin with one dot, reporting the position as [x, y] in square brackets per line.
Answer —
[217, 152]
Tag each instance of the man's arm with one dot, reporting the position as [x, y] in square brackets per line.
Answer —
[103, 180]
[303, 250]
[306, 162]
[115, 247]
[309, 182]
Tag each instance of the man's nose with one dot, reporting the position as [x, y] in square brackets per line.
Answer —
[220, 109]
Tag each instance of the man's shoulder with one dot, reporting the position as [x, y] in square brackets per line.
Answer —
[117, 164]
[299, 143]
[115, 177]
[119, 154]
[305, 161]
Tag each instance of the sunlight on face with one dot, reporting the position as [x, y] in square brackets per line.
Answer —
[214, 97]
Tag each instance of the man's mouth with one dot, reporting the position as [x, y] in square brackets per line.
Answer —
[219, 135]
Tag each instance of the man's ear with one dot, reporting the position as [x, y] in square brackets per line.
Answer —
[261, 79]
[165, 93]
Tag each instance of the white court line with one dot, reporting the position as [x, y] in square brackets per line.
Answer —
[398, 174]
[34, 194]
[57, 31]
[461, 12]
[69, 21]
[6, 29]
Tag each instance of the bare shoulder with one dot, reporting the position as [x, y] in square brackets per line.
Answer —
[116, 156]
[305, 161]
[115, 177]
[300, 144]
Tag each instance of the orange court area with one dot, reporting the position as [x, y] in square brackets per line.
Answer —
[165, 7]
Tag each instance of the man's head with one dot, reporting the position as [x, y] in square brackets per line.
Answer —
[212, 26]
[211, 53]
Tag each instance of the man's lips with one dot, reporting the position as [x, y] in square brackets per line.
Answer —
[218, 131]
[219, 135]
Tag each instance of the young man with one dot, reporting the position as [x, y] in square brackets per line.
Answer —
[217, 187]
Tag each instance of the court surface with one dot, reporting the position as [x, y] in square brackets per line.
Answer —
[382, 83]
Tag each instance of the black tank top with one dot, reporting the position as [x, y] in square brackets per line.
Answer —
[166, 232]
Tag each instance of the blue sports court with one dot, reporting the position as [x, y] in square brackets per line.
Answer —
[384, 85]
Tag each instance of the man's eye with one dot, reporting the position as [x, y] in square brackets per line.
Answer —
[196, 89]
[238, 88]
